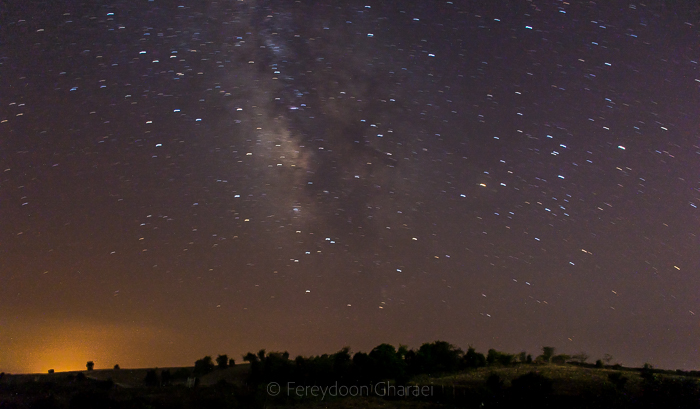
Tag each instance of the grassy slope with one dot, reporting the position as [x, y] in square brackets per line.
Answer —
[572, 380]
[129, 378]
[567, 379]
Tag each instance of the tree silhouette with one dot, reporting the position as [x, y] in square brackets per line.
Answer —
[618, 380]
[473, 359]
[90, 365]
[166, 377]
[501, 358]
[257, 362]
[532, 388]
[581, 357]
[607, 358]
[647, 372]
[203, 366]
[250, 358]
[341, 361]
[151, 378]
[438, 356]
[386, 362]
[222, 361]
[522, 356]
[548, 353]
[231, 363]
[181, 373]
[116, 366]
[561, 358]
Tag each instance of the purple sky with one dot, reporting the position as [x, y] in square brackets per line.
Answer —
[179, 181]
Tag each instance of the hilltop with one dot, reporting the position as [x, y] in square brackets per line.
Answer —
[548, 385]
[436, 375]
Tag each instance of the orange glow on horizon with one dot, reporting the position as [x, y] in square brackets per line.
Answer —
[39, 346]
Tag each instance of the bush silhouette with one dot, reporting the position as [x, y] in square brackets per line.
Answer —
[647, 373]
[522, 356]
[581, 357]
[166, 377]
[116, 367]
[222, 361]
[560, 359]
[501, 358]
[531, 387]
[435, 357]
[231, 363]
[618, 380]
[181, 373]
[473, 359]
[152, 378]
[203, 366]
[386, 363]
[607, 358]
[90, 365]
[494, 383]
[664, 392]
[548, 353]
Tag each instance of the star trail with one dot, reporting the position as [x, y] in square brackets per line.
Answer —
[180, 179]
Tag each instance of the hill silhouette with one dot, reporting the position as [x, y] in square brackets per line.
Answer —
[436, 375]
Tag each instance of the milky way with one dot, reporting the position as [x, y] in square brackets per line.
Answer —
[184, 180]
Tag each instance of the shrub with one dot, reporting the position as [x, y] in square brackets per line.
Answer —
[151, 378]
[166, 377]
[618, 380]
[581, 357]
[181, 373]
[90, 365]
[599, 364]
[531, 387]
[222, 361]
[501, 358]
[647, 372]
[439, 356]
[607, 358]
[116, 367]
[547, 353]
[494, 383]
[560, 359]
[386, 362]
[473, 359]
[203, 366]
[522, 356]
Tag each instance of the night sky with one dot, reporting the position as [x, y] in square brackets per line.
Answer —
[181, 179]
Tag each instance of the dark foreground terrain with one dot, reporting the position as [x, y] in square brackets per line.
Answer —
[532, 385]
